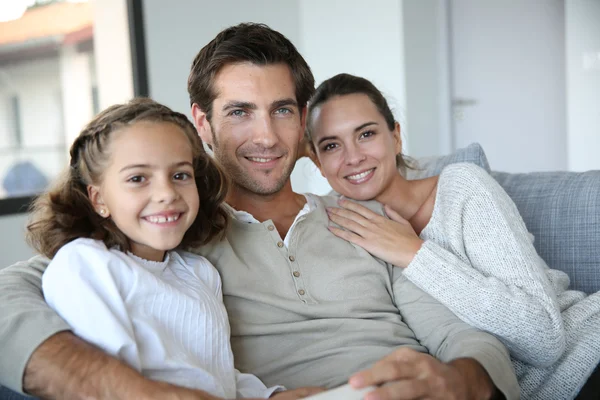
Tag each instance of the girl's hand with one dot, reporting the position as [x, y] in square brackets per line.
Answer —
[393, 240]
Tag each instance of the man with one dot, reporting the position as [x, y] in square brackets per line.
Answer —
[306, 308]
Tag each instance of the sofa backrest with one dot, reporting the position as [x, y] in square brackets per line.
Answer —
[561, 210]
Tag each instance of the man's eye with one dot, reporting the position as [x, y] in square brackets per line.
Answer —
[237, 113]
[283, 110]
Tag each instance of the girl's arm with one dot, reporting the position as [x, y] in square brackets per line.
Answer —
[84, 283]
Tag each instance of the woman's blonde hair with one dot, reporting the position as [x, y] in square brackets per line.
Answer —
[65, 213]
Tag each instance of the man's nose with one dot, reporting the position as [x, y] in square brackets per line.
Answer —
[264, 134]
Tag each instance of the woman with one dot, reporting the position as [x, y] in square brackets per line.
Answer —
[458, 236]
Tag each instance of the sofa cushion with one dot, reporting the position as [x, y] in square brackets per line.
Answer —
[430, 166]
[562, 211]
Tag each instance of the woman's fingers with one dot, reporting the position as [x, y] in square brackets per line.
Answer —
[393, 215]
[351, 222]
[347, 235]
[358, 208]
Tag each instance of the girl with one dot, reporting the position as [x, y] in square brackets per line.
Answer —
[458, 236]
[140, 190]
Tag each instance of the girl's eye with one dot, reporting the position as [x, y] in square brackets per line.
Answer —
[367, 134]
[329, 147]
[182, 176]
[136, 179]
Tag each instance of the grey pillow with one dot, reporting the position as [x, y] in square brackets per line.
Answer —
[431, 166]
[562, 211]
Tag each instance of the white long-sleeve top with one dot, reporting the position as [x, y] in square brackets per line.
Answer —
[478, 259]
[165, 319]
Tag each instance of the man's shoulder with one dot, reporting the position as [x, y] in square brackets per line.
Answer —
[333, 201]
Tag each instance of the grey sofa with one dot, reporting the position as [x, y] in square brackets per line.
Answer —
[561, 209]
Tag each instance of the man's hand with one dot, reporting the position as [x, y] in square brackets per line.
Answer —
[299, 393]
[408, 374]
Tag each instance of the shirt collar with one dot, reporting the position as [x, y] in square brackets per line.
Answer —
[244, 216]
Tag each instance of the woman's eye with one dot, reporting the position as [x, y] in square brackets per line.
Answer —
[182, 176]
[367, 134]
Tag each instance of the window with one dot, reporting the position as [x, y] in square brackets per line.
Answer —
[61, 62]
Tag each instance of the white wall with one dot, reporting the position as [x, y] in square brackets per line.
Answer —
[428, 121]
[583, 84]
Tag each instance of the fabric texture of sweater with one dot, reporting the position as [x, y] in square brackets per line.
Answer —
[478, 259]
[165, 319]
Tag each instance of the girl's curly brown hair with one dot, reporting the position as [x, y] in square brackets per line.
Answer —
[65, 213]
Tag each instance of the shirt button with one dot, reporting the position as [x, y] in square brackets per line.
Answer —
[279, 244]
[271, 227]
[301, 292]
[292, 258]
[296, 274]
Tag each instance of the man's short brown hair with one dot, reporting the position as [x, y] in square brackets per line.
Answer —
[246, 42]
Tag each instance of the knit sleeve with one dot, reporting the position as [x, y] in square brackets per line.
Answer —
[448, 338]
[498, 283]
[83, 284]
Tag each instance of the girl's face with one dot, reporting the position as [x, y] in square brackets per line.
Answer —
[148, 187]
[356, 151]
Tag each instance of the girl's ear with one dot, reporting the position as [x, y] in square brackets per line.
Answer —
[97, 201]
[397, 138]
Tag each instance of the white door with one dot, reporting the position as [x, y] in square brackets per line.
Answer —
[508, 88]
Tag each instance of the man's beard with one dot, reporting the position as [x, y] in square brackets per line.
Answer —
[240, 177]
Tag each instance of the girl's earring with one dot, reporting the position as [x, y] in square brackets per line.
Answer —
[102, 212]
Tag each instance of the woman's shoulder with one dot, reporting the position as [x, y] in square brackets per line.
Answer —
[465, 177]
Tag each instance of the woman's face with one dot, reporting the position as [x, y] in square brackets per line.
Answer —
[355, 149]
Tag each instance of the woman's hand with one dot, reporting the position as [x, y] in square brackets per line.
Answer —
[393, 240]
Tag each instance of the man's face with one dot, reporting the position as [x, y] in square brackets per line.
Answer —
[256, 125]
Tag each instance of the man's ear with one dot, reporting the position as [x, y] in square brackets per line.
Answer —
[303, 115]
[202, 125]
[397, 138]
[97, 201]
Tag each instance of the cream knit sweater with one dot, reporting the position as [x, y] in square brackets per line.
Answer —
[478, 259]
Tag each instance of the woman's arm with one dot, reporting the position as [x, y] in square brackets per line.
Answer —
[494, 280]
[501, 286]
